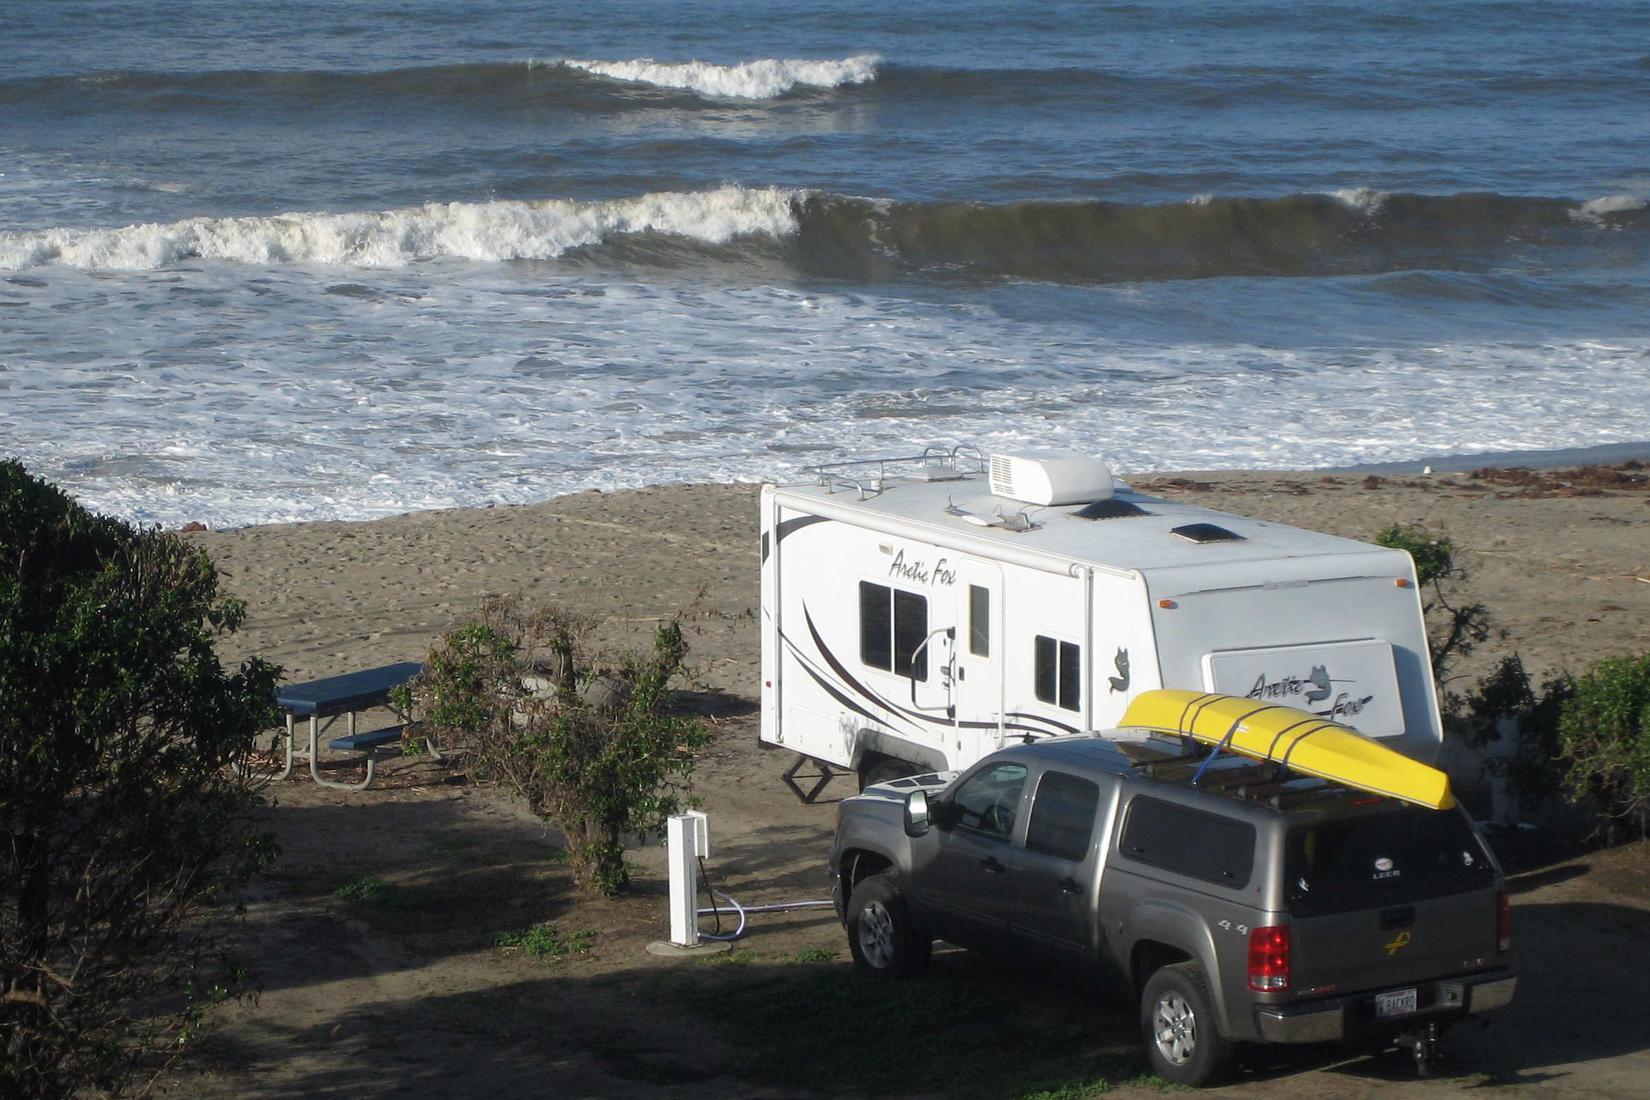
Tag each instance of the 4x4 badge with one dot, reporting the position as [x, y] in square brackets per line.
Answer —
[1401, 940]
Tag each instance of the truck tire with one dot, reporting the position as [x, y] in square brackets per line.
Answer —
[1177, 1024]
[885, 942]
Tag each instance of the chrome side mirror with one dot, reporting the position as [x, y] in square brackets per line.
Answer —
[916, 813]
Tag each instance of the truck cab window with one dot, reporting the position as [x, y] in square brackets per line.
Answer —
[892, 627]
[1062, 816]
[1058, 677]
[988, 802]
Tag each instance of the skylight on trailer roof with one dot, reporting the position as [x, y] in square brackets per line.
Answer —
[1110, 508]
[1206, 532]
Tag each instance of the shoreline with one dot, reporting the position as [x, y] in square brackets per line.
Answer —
[1610, 454]
[1601, 455]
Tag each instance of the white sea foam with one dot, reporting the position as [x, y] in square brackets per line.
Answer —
[1365, 200]
[1599, 210]
[235, 395]
[490, 231]
[768, 78]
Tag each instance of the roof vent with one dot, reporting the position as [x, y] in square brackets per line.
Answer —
[1206, 532]
[1050, 477]
[1111, 509]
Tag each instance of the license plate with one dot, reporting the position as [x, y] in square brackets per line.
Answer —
[1397, 1003]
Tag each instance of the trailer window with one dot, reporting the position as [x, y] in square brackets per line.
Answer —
[1062, 817]
[910, 631]
[979, 621]
[1189, 842]
[1058, 676]
[876, 625]
[892, 627]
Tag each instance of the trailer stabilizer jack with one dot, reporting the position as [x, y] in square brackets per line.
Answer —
[822, 777]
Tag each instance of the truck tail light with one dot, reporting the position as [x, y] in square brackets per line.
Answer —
[1269, 958]
[1503, 923]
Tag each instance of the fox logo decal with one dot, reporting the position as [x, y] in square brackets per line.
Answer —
[1120, 682]
[1319, 679]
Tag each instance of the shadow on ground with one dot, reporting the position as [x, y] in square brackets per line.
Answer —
[708, 1028]
[366, 887]
[973, 1027]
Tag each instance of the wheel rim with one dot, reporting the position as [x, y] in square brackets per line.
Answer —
[1174, 1026]
[876, 934]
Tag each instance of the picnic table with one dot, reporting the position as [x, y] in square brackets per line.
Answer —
[324, 701]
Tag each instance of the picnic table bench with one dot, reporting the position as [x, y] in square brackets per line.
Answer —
[324, 701]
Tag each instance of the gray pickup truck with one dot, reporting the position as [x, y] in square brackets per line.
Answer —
[1237, 904]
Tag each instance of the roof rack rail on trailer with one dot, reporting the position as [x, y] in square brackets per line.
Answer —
[933, 464]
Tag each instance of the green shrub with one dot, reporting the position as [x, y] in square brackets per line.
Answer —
[120, 814]
[598, 754]
[1455, 627]
[1604, 734]
[1506, 693]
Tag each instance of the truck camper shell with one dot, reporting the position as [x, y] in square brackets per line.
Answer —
[921, 612]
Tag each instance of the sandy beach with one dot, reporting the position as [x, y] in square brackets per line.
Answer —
[1560, 558]
[363, 998]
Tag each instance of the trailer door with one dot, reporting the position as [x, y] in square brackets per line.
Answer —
[977, 687]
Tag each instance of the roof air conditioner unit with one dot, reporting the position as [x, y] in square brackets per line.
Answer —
[1050, 477]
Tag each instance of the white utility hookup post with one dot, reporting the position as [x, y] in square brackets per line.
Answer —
[688, 836]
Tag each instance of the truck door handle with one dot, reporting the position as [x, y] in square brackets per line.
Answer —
[1397, 918]
[990, 864]
[1069, 885]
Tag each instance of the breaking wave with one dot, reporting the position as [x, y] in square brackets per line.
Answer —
[496, 85]
[764, 79]
[819, 234]
[490, 231]
[1601, 211]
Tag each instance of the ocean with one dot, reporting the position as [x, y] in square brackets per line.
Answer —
[305, 260]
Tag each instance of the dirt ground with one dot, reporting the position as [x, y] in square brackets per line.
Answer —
[375, 938]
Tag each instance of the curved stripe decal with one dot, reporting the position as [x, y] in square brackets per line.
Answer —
[838, 694]
[865, 692]
[1060, 726]
[834, 689]
[788, 527]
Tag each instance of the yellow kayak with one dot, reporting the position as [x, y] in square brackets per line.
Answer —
[1296, 738]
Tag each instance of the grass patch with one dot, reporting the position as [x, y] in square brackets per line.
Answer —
[815, 955]
[545, 942]
[972, 1036]
[1071, 1092]
[1082, 1090]
[374, 892]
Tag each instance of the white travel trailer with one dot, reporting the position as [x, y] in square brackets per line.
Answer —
[918, 613]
